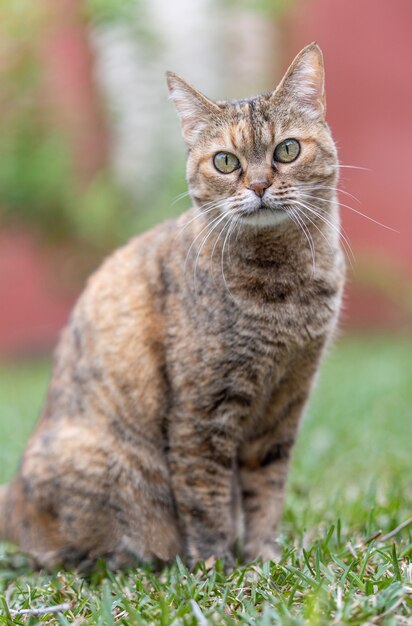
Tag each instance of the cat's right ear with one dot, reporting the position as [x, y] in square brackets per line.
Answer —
[304, 82]
[193, 108]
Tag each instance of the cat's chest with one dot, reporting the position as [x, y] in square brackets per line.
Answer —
[283, 314]
[227, 339]
[264, 340]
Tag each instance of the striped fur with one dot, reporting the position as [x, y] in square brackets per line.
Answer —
[179, 382]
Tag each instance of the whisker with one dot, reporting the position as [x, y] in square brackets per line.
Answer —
[180, 197]
[214, 247]
[337, 189]
[356, 211]
[318, 212]
[197, 237]
[341, 235]
[212, 203]
[394, 230]
[219, 221]
[200, 214]
[297, 223]
[352, 167]
[236, 221]
[338, 231]
[320, 231]
[309, 239]
[230, 229]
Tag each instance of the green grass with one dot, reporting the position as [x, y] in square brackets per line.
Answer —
[351, 478]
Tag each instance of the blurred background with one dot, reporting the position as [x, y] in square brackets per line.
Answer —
[91, 154]
[90, 148]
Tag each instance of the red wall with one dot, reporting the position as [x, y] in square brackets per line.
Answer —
[33, 305]
[367, 46]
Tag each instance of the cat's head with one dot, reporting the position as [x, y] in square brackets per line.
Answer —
[259, 159]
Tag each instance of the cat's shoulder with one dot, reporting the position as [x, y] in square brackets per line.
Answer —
[126, 279]
[135, 258]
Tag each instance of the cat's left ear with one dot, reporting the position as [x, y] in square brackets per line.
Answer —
[304, 82]
[193, 108]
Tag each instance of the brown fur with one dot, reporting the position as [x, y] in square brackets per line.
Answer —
[179, 382]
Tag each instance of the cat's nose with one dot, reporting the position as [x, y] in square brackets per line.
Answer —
[259, 186]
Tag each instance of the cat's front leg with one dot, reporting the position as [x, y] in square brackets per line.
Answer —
[263, 476]
[202, 462]
[263, 489]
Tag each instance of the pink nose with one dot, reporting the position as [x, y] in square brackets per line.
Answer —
[259, 187]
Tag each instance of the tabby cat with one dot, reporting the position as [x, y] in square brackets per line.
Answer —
[180, 380]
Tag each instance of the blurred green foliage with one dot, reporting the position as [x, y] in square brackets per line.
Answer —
[39, 188]
[110, 10]
[38, 185]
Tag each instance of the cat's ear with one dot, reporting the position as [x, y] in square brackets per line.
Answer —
[193, 108]
[304, 82]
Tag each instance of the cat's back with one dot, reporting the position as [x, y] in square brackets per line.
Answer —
[110, 354]
[127, 282]
[100, 435]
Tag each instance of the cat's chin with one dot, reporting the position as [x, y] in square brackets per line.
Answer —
[264, 218]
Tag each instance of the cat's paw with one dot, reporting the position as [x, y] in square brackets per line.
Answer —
[262, 551]
[226, 557]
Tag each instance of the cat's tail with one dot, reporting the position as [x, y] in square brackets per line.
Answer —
[8, 526]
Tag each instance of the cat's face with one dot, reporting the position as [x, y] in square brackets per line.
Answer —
[262, 160]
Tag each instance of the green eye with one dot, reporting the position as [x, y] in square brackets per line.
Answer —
[287, 151]
[226, 162]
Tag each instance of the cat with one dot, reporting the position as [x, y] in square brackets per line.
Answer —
[180, 379]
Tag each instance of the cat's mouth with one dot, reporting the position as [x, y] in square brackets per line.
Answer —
[264, 214]
[267, 207]
[263, 208]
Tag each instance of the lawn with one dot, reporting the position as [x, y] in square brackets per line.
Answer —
[345, 559]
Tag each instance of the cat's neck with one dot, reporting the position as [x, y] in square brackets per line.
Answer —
[293, 243]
